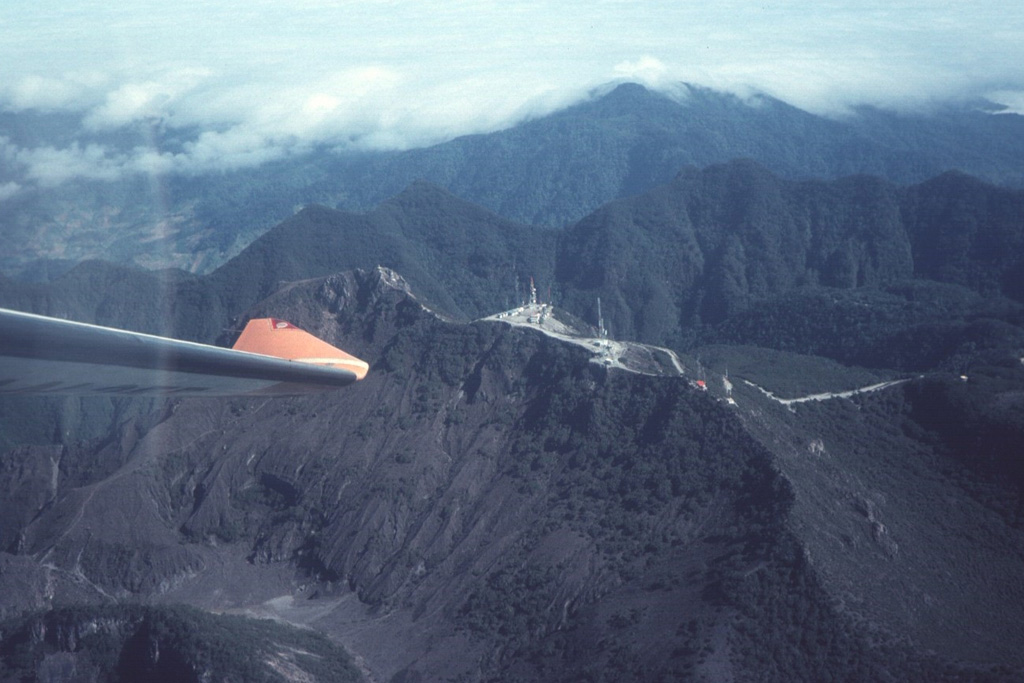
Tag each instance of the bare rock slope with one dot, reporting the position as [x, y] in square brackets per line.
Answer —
[489, 504]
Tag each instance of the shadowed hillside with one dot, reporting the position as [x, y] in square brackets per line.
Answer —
[489, 504]
[718, 245]
[463, 259]
[132, 643]
[856, 269]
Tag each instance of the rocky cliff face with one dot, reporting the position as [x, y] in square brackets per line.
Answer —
[487, 504]
[133, 643]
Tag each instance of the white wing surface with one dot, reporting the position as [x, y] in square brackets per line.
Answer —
[48, 355]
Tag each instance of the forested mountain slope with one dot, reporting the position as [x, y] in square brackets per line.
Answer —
[715, 246]
[558, 168]
[463, 259]
[549, 171]
[857, 269]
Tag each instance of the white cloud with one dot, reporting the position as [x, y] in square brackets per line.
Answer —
[8, 190]
[259, 79]
[647, 70]
[71, 90]
[235, 148]
[50, 166]
[1013, 100]
[146, 99]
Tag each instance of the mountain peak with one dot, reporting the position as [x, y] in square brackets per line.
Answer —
[628, 91]
[631, 98]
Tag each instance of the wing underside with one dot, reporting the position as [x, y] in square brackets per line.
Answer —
[48, 355]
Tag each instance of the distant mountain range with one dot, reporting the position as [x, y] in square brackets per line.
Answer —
[550, 172]
[693, 261]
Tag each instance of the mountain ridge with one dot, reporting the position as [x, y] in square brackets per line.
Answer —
[692, 261]
[550, 171]
[497, 503]
[392, 516]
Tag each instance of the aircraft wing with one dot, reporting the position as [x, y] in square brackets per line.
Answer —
[272, 357]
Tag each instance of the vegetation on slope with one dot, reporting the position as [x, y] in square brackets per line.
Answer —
[545, 518]
[550, 171]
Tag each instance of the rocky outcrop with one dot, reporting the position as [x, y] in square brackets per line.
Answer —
[72, 645]
[486, 504]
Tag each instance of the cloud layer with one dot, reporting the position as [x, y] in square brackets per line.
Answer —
[238, 83]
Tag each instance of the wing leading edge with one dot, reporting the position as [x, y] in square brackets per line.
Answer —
[48, 355]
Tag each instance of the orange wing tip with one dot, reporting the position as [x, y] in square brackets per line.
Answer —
[281, 339]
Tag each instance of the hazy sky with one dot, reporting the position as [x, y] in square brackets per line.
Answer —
[258, 79]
